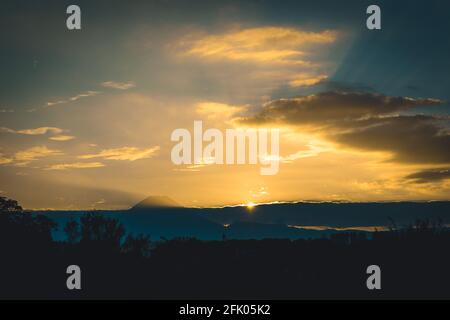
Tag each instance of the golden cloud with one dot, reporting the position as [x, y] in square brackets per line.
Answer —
[57, 132]
[5, 160]
[306, 80]
[262, 44]
[314, 149]
[35, 153]
[22, 158]
[34, 131]
[124, 153]
[214, 110]
[62, 138]
[76, 165]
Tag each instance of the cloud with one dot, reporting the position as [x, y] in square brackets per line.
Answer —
[261, 44]
[5, 160]
[76, 165]
[74, 98]
[333, 106]
[313, 151]
[307, 80]
[62, 138]
[57, 132]
[24, 157]
[248, 63]
[411, 139]
[214, 110]
[124, 153]
[118, 85]
[35, 131]
[429, 176]
[35, 153]
[365, 121]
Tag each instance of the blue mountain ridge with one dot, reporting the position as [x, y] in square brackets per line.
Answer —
[280, 220]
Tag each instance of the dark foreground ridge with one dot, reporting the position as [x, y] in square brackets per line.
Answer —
[116, 264]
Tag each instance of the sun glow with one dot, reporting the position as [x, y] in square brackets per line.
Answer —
[250, 206]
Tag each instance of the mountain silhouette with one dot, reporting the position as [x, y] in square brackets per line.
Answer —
[158, 216]
[332, 214]
[156, 202]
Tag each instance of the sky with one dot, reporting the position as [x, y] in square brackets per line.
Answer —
[86, 115]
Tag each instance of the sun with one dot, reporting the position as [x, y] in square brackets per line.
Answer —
[250, 205]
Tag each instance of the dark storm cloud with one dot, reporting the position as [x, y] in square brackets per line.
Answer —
[432, 175]
[411, 139]
[366, 121]
[334, 106]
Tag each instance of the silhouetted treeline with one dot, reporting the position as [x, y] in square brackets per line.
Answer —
[414, 263]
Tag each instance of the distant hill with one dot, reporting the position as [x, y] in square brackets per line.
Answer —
[251, 230]
[161, 217]
[335, 215]
[156, 202]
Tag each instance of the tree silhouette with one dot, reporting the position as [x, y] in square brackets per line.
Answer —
[138, 246]
[9, 206]
[98, 229]
[72, 230]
